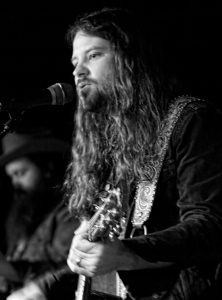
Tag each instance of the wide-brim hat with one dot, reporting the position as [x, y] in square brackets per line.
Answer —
[16, 145]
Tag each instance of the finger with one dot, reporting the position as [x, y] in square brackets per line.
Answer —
[83, 228]
[74, 259]
[75, 256]
[79, 269]
[79, 241]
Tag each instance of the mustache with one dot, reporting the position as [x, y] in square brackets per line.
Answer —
[24, 196]
[84, 81]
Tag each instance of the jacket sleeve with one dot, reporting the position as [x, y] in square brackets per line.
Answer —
[51, 241]
[58, 284]
[196, 237]
[62, 230]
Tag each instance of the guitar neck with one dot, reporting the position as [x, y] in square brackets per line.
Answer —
[83, 288]
[105, 219]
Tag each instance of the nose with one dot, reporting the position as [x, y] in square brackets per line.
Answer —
[16, 181]
[81, 70]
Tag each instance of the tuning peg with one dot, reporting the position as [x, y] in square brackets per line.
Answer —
[107, 220]
[96, 207]
[111, 236]
[113, 212]
[117, 230]
[107, 187]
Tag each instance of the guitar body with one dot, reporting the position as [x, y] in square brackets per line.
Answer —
[105, 222]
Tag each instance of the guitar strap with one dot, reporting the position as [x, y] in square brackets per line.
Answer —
[145, 190]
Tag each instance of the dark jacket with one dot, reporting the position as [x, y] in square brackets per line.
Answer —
[185, 224]
[47, 249]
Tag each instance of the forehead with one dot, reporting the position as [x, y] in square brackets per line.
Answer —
[84, 42]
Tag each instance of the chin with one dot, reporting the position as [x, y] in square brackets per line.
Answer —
[90, 102]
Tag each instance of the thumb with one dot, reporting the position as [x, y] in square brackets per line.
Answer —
[83, 228]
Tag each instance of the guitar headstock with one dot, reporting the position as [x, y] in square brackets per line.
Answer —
[106, 221]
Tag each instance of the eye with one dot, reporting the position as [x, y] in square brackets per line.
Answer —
[94, 55]
[20, 173]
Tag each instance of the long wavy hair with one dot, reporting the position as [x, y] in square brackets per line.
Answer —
[113, 146]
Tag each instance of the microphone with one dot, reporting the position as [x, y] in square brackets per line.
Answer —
[56, 94]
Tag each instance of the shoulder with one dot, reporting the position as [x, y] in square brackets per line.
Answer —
[192, 105]
[198, 116]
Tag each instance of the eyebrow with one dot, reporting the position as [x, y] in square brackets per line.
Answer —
[90, 49]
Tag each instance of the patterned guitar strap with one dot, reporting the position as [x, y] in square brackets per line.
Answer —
[145, 190]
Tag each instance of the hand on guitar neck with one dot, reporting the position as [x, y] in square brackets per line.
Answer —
[93, 258]
[95, 242]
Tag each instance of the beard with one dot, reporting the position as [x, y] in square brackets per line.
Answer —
[97, 97]
[27, 211]
[98, 132]
[97, 106]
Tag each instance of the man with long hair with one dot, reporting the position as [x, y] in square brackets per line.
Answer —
[171, 246]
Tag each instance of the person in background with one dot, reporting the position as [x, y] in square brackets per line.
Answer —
[38, 227]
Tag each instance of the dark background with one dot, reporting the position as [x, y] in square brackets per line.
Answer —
[34, 54]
